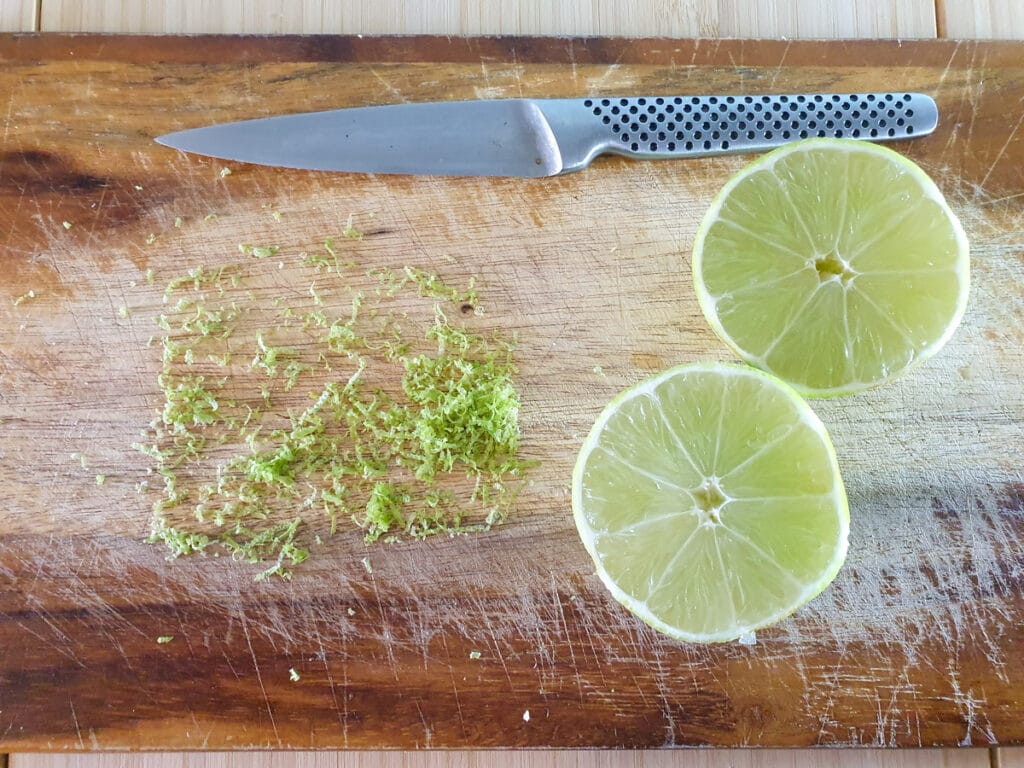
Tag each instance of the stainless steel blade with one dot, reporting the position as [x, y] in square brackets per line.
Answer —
[546, 137]
[468, 138]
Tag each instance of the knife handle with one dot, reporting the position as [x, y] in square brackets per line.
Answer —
[656, 127]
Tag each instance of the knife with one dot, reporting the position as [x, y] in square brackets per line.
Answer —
[546, 137]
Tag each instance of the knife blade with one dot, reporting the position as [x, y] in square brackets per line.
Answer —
[533, 138]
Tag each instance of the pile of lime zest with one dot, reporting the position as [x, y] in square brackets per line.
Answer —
[25, 297]
[356, 452]
[293, 675]
[189, 403]
[164, 639]
[383, 510]
[467, 410]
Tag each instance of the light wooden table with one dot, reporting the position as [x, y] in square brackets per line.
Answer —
[638, 18]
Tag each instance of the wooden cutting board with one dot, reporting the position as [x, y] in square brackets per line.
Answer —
[920, 640]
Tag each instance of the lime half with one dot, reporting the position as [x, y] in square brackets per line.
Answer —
[834, 264]
[710, 499]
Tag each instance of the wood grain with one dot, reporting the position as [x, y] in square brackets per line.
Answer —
[949, 758]
[634, 18]
[958, 29]
[1008, 758]
[981, 19]
[17, 15]
[916, 643]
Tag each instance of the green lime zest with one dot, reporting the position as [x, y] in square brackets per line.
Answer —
[433, 452]
[383, 510]
[259, 251]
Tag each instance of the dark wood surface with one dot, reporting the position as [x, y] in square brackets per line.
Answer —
[918, 642]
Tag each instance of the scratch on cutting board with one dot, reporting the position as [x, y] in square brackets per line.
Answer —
[597, 83]
[517, 72]
[613, 71]
[562, 626]
[486, 91]
[889, 720]
[1002, 149]
[572, 60]
[949, 65]
[386, 634]
[259, 679]
[78, 728]
[7, 120]
[195, 722]
[666, 714]
[427, 734]
[782, 61]
[390, 88]
[60, 643]
[455, 684]
[973, 92]
[341, 715]
[972, 711]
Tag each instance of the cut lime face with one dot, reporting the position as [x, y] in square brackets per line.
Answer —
[834, 264]
[710, 499]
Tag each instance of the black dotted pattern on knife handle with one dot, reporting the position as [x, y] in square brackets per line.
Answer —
[713, 124]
